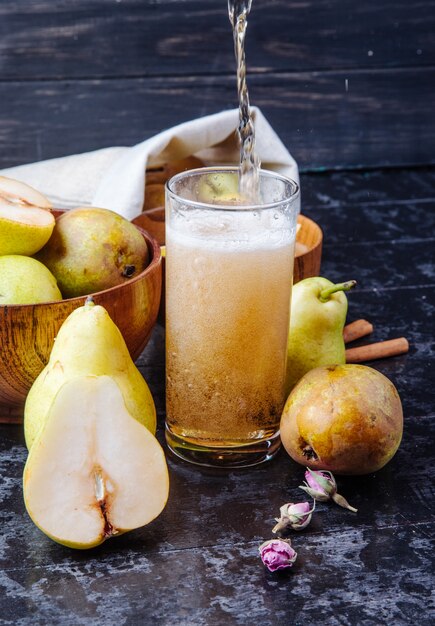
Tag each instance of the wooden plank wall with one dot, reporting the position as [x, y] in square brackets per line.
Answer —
[345, 84]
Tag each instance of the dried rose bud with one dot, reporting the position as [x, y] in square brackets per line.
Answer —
[277, 554]
[296, 516]
[321, 486]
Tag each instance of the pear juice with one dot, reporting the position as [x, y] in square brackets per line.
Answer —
[229, 277]
[229, 268]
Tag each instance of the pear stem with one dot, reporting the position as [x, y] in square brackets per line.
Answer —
[325, 294]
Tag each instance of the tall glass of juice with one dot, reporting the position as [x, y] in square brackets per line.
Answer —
[229, 269]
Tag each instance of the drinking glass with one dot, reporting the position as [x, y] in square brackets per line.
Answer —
[229, 269]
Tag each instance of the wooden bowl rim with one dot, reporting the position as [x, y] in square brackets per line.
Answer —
[156, 260]
[317, 229]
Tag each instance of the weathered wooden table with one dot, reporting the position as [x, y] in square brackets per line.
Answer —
[198, 562]
[348, 87]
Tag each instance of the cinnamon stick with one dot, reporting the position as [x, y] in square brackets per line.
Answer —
[356, 330]
[379, 350]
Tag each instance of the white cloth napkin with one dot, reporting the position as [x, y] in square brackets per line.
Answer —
[114, 178]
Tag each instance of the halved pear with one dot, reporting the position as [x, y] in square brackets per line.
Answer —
[88, 344]
[17, 192]
[26, 222]
[94, 471]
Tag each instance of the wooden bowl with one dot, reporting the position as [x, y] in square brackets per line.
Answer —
[27, 331]
[308, 252]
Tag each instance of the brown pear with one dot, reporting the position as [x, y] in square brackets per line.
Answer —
[343, 418]
[93, 249]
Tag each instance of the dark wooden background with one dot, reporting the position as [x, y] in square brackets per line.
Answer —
[77, 75]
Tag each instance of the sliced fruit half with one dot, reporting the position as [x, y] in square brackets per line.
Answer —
[26, 222]
[94, 471]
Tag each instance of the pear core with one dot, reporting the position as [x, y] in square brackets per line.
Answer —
[347, 419]
[20, 194]
[93, 471]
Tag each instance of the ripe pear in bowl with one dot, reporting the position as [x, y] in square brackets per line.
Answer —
[88, 343]
[93, 249]
[27, 331]
[93, 471]
[24, 280]
[26, 222]
[347, 419]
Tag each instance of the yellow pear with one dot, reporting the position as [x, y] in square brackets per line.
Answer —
[220, 188]
[93, 471]
[88, 343]
[26, 281]
[26, 222]
[93, 249]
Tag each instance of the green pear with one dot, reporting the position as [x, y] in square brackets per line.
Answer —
[26, 281]
[93, 471]
[88, 344]
[219, 188]
[26, 222]
[93, 249]
[318, 315]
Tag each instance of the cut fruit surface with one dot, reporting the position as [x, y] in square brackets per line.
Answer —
[26, 222]
[19, 193]
[32, 216]
[93, 471]
[88, 344]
